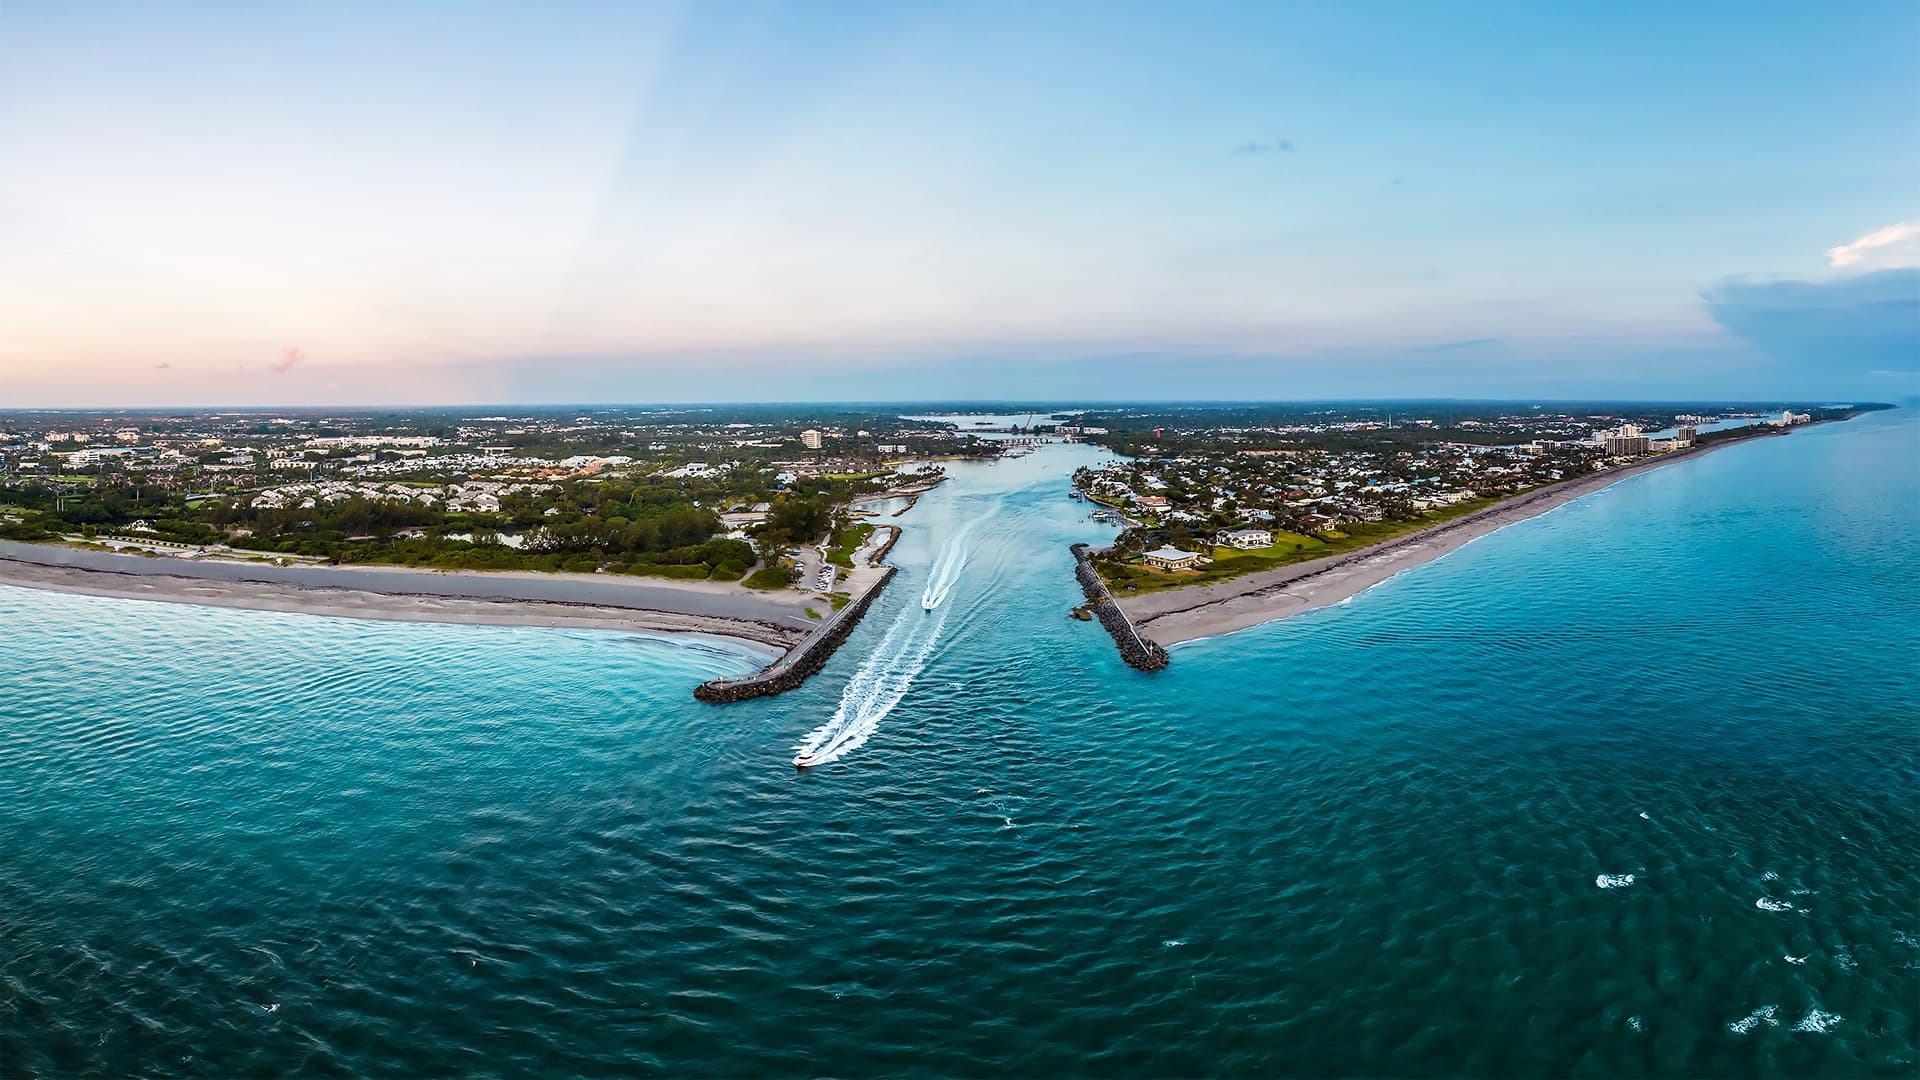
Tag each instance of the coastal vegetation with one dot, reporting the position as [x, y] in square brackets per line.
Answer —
[1226, 563]
[776, 574]
[1266, 487]
[846, 539]
[702, 493]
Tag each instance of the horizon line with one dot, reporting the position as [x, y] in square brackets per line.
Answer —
[1005, 403]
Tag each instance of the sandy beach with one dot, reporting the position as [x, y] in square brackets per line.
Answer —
[1202, 611]
[769, 621]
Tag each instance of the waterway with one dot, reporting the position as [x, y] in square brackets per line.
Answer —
[1630, 788]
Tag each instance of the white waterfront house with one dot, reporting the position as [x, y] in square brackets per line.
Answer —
[1168, 557]
[1246, 539]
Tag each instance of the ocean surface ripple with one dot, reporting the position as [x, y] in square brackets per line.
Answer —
[1632, 788]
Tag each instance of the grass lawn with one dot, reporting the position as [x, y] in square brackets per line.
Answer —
[1288, 548]
[847, 541]
[775, 575]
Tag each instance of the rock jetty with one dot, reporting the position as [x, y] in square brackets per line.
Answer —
[802, 660]
[1137, 651]
[877, 556]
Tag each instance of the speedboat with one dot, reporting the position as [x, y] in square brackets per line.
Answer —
[806, 761]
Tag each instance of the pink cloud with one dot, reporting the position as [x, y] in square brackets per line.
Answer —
[1888, 246]
[288, 357]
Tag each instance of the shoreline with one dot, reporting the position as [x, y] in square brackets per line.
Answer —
[801, 662]
[767, 624]
[1176, 616]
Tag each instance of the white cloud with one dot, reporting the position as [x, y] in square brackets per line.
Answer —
[1883, 248]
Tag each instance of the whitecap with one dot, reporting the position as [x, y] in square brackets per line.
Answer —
[1795, 959]
[1636, 1023]
[1768, 903]
[1769, 876]
[1613, 881]
[1643, 817]
[1819, 1022]
[1172, 943]
[1762, 1015]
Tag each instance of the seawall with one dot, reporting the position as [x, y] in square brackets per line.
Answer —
[880, 555]
[1137, 651]
[802, 660]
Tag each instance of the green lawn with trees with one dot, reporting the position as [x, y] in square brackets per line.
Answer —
[1125, 576]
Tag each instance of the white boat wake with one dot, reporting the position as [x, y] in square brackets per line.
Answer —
[879, 685]
[952, 559]
[886, 675]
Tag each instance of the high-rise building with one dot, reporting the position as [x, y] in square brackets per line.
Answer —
[810, 438]
[1623, 441]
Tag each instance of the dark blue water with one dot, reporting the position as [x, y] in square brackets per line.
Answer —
[1632, 788]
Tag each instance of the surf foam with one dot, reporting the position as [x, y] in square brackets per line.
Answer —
[1762, 1015]
[1818, 1022]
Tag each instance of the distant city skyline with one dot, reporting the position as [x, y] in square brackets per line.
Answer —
[448, 205]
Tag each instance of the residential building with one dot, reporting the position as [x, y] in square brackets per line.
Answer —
[1623, 441]
[1247, 539]
[810, 439]
[1172, 558]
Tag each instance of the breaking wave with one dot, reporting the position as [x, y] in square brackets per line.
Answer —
[1818, 1022]
[1765, 1014]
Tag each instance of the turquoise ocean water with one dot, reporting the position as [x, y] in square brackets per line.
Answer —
[1631, 788]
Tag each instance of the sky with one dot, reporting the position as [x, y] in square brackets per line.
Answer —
[393, 203]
